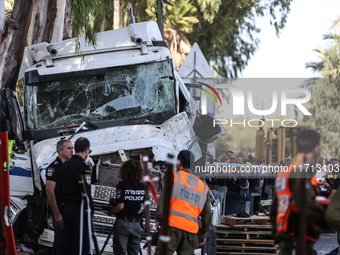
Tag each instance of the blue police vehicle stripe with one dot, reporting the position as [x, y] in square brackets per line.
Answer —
[19, 171]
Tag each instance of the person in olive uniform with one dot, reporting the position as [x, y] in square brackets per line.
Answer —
[65, 152]
[71, 198]
[189, 200]
[130, 196]
[288, 202]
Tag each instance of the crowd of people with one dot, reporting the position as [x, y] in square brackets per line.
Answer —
[189, 199]
[328, 176]
[71, 218]
[322, 177]
[245, 158]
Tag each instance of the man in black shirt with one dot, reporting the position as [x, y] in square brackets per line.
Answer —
[334, 170]
[65, 152]
[130, 195]
[72, 198]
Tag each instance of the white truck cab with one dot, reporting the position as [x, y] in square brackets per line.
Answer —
[124, 95]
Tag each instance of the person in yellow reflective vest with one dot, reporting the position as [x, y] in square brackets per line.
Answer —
[189, 200]
[10, 150]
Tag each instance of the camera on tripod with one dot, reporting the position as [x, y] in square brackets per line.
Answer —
[110, 206]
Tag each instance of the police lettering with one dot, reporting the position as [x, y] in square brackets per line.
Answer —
[134, 192]
[134, 195]
[134, 198]
[187, 195]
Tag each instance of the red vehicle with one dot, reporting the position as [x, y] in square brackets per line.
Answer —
[7, 242]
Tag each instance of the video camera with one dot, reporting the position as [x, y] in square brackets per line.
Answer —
[110, 206]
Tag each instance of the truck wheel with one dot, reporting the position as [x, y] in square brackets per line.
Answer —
[209, 247]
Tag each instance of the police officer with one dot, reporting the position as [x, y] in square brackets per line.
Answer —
[288, 202]
[65, 152]
[189, 200]
[72, 198]
[129, 195]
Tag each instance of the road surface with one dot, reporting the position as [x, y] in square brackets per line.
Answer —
[326, 243]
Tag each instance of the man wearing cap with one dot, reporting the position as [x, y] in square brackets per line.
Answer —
[189, 200]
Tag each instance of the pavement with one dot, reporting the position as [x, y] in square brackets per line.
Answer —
[326, 243]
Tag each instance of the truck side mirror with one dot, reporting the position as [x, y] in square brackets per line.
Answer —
[11, 119]
[206, 129]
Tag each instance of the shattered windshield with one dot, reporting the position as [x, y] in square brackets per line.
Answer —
[122, 93]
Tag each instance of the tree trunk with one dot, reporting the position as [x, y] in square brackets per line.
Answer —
[123, 19]
[7, 27]
[51, 16]
[3, 43]
[116, 14]
[178, 44]
[58, 23]
[47, 23]
[22, 13]
[67, 22]
[2, 18]
[38, 22]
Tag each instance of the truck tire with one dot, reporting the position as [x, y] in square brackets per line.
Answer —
[209, 247]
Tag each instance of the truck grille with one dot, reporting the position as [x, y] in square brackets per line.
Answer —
[103, 193]
[102, 222]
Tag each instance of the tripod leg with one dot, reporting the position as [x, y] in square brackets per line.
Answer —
[107, 240]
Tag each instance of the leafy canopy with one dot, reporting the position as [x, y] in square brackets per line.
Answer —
[228, 45]
[325, 101]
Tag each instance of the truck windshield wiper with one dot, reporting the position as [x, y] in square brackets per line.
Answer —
[141, 120]
[82, 125]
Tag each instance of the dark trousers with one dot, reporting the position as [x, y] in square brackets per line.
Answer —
[127, 237]
[324, 194]
[288, 248]
[71, 238]
[58, 238]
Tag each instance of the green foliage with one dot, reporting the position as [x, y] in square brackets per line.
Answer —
[329, 64]
[19, 90]
[209, 8]
[182, 14]
[83, 13]
[336, 25]
[325, 101]
[332, 59]
[230, 43]
[104, 16]
[325, 109]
